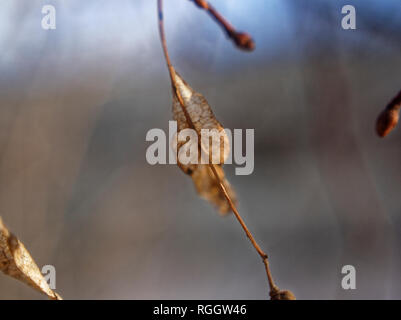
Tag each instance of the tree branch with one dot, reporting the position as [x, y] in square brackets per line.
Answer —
[241, 39]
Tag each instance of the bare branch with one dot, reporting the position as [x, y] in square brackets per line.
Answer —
[241, 39]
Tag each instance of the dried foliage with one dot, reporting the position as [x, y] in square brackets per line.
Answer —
[200, 116]
[208, 187]
[16, 262]
[191, 110]
[388, 118]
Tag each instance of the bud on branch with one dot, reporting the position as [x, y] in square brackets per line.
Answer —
[242, 39]
[389, 117]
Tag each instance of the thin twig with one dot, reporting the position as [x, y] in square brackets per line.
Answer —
[168, 61]
[274, 290]
[263, 255]
[242, 39]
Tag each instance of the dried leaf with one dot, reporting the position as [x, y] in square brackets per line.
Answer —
[208, 187]
[201, 117]
[16, 262]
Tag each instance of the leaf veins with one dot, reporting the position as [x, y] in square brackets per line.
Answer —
[196, 113]
[16, 262]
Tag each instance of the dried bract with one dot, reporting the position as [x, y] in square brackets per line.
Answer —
[196, 114]
[16, 262]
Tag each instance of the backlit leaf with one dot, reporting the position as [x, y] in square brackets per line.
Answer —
[217, 148]
[16, 262]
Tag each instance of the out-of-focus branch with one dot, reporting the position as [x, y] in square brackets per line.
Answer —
[241, 39]
[389, 117]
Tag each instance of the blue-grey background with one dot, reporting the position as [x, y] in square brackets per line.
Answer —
[75, 106]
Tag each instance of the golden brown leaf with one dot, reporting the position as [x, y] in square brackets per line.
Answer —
[217, 148]
[208, 187]
[16, 262]
[202, 117]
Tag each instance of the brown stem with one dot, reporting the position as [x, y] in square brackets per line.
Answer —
[168, 61]
[274, 290]
[242, 39]
[263, 255]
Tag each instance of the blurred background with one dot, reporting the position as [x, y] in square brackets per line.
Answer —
[76, 104]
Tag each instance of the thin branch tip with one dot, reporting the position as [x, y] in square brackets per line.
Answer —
[242, 40]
